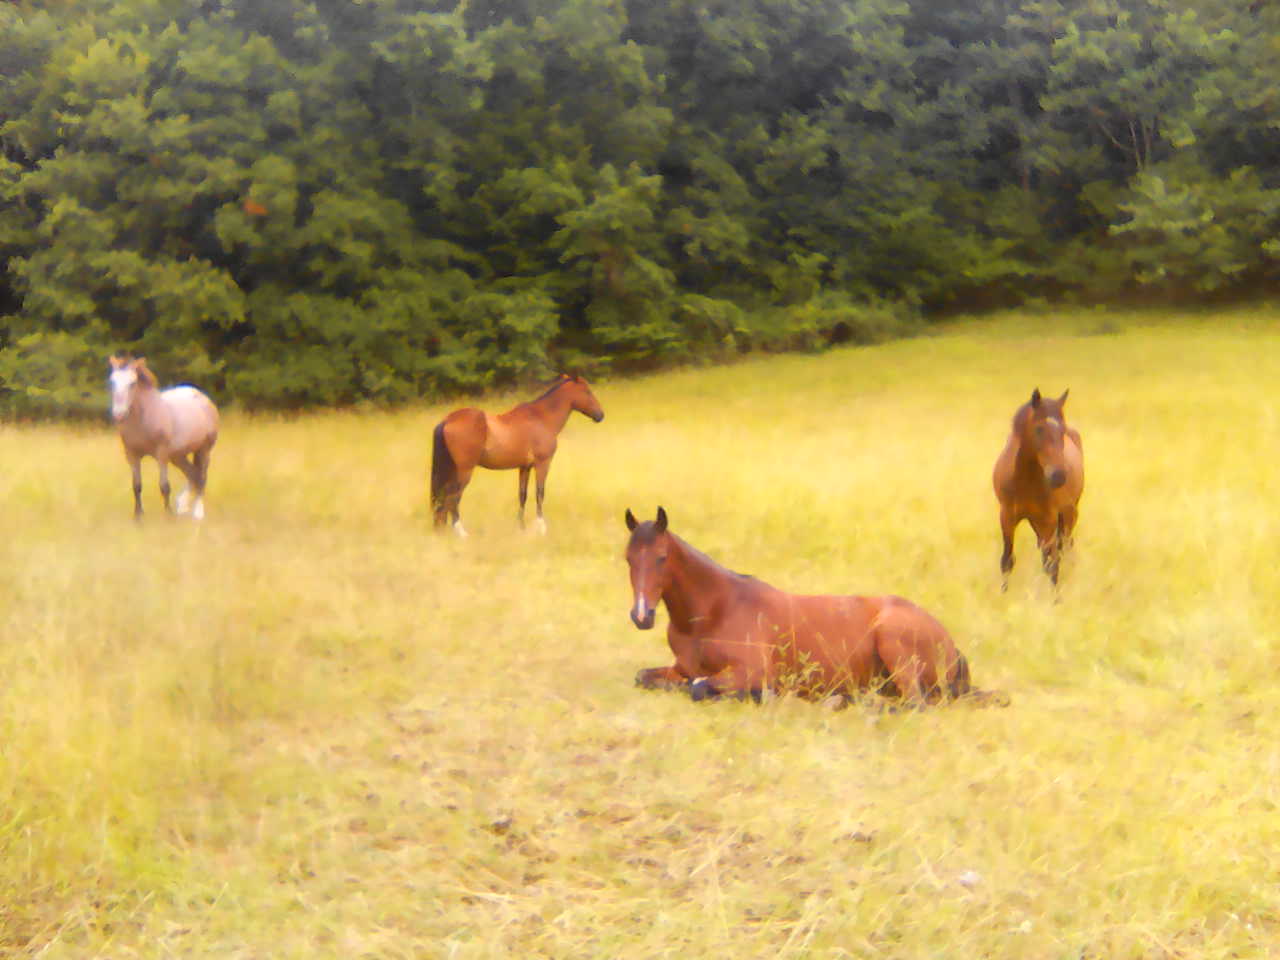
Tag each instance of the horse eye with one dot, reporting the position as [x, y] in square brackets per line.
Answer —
[661, 560]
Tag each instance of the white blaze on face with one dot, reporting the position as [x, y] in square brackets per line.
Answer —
[122, 381]
[642, 585]
[641, 611]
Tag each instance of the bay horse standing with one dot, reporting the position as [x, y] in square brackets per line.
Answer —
[523, 438]
[169, 425]
[1039, 477]
[734, 634]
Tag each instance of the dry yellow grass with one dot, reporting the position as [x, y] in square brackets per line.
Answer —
[310, 728]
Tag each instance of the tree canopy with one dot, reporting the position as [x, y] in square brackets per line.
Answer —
[325, 202]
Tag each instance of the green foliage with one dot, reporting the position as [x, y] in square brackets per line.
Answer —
[1189, 227]
[50, 374]
[304, 203]
[833, 318]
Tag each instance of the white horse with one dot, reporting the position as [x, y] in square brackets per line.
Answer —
[169, 425]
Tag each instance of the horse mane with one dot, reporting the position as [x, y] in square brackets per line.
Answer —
[556, 384]
[646, 533]
[1048, 408]
[139, 365]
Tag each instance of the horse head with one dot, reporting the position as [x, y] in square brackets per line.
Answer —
[1043, 428]
[126, 373]
[583, 400]
[647, 557]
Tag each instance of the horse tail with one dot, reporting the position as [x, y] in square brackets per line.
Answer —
[960, 683]
[962, 687]
[444, 471]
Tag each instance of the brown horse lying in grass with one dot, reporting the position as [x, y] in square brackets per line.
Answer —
[736, 635]
[1039, 477]
[524, 437]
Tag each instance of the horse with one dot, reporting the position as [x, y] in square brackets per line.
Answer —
[524, 437]
[169, 425]
[1039, 477]
[734, 635]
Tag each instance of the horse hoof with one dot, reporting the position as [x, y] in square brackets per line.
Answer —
[701, 690]
[542, 526]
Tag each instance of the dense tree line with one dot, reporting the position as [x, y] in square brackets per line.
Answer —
[324, 201]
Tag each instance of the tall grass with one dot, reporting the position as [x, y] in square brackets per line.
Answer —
[309, 727]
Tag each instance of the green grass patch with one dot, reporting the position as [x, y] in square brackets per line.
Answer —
[310, 727]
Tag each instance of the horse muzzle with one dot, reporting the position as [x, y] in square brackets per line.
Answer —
[598, 417]
[644, 622]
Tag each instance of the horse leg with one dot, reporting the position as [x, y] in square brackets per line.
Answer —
[540, 469]
[189, 474]
[524, 492]
[1047, 535]
[908, 677]
[897, 643]
[736, 680]
[1066, 527]
[135, 468]
[162, 461]
[200, 478]
[1007, 523]
[453, 501]
[662, 678]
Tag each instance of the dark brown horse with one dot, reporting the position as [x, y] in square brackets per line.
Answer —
[1039, 477]
[170, 425]
[733, 634]
[523, 438]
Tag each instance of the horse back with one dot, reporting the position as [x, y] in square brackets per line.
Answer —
[193, 419]
[516, 438]
[821, 642]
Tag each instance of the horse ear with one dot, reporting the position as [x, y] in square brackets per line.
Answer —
[1063, 399]
[631, 520]
[660, 526]
[1035, 397]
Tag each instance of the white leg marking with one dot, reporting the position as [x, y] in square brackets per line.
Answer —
[184, 499]
[197, 511]
[459, 529]
[542, 525]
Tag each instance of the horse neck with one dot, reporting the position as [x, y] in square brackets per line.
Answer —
[697, 582]
[1025, 462]
[145, 418]
[553, 408]
[1024, 455]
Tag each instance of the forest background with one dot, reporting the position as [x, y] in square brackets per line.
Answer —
[331, 202]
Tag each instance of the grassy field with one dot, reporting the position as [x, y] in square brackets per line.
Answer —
[310, 728]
